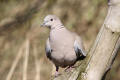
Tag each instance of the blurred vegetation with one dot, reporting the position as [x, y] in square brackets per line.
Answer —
[20, 22]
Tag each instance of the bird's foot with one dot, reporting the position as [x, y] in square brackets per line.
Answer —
[57, 73]
[69, 68]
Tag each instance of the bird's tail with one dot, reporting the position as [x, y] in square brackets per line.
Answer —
[82, 55]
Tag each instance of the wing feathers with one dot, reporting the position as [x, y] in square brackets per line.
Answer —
[48, 49]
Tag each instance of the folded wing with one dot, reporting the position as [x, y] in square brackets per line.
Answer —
[48, 49]
[79, 48]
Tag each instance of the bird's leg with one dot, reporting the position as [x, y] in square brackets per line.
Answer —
[57, 73]
[69, 68]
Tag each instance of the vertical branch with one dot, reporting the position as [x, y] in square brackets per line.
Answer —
[25, 65]
[37, 64]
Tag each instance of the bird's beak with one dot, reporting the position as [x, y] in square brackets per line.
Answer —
[43, 24]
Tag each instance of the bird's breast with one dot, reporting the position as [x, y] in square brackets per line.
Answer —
[62, 43]
[60, 39]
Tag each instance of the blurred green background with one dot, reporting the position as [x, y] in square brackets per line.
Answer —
[22, 40]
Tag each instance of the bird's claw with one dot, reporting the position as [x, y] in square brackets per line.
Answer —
[57, 73]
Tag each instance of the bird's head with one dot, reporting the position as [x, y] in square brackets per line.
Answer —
[51, 21]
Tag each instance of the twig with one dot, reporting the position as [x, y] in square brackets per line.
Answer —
[37, 64]
[25, 65]
[19, 55]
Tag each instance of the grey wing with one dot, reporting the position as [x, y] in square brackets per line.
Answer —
[48, 49]
[79, 49]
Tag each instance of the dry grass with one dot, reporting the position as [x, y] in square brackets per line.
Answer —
[15, 63]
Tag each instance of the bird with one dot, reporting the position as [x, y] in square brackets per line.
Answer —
[63, 47]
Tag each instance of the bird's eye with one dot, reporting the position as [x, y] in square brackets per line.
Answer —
[51, 19]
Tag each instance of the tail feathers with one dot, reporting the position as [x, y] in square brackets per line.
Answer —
[81, 55]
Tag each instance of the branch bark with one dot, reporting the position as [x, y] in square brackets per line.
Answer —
[102, 54]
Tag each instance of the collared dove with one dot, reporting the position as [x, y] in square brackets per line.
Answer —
[63, 47]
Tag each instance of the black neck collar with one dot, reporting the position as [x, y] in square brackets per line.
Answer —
[61, 26]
